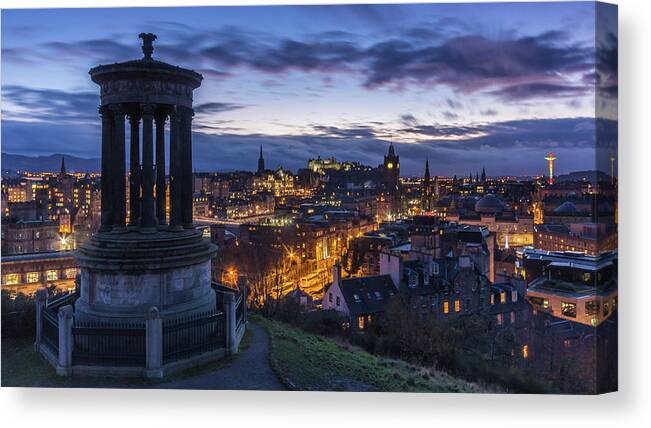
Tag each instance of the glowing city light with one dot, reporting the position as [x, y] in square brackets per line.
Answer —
[550, 158]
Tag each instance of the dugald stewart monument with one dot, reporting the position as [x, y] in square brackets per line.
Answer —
[145, 279]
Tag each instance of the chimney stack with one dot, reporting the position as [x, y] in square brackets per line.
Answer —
[336, 274]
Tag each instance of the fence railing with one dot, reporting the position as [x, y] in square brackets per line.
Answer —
[149, 345]
[50, 329]
[62, 300]
[193, 335]
[108, 345]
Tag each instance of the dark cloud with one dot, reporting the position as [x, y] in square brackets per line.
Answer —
[488, 112]
[359, 131]
[475, 61]
[454, 104]
[449, 115]
[101, 50]
[213, 107]
[437, 131]
[606, 75]
[529, 91]
[408, 120]
[49, 105]
[465, 62]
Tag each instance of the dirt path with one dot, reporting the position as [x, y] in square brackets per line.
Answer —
[249, 371]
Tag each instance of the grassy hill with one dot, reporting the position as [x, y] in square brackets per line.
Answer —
[309, 362]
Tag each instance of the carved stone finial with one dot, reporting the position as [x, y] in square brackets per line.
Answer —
[153, 313]
[147, 44]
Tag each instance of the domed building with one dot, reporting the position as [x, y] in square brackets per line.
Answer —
[489, 204]
[566, 207]
[510, 229]
[469, 202]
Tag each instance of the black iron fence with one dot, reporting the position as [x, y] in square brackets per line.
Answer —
[50, 320]
[108, 344]
[62, 300]
[193, 335]
[125, 344]
[50, 329]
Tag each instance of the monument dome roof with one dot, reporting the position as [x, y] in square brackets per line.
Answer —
[489, 204]
[566, 207]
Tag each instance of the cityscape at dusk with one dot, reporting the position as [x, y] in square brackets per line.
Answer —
[397, 198]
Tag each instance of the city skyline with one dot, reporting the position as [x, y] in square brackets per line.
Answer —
[442, 82]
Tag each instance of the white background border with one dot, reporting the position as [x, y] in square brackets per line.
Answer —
[629, 407]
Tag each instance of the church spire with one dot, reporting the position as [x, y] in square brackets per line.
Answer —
[392, 151]
[63, 165]
[427, 176]
[260, 162]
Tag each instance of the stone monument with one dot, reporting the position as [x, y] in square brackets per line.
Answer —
[140, 259]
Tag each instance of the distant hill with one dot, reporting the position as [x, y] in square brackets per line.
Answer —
[12, 163]
[591, 176]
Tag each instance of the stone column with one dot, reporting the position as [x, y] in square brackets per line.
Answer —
[161, 190]
[186, 159]
[154, 343]
[64, 365]
[148, 221]
[118, 169]
[231, 323]
[134, 170]
[41, 299]
[176, 172]
[107, 179]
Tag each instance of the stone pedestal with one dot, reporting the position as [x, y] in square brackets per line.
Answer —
[124, 275]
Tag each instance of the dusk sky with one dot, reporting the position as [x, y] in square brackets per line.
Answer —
[464, 85]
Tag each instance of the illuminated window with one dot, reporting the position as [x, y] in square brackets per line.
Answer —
[592, 307]
[525, 351]
[457, 306]
[356, 298]
[32, 277]
[492, 299]
[12, 278]
[567, 343]
[503, 297]
[500, 319]
[514, 296]
[568, 309]
[446, 307]
[71, 273]
[52, 275]
[360, 323]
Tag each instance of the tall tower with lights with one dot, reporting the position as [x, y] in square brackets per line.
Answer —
[391, 172]
[550, 158]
